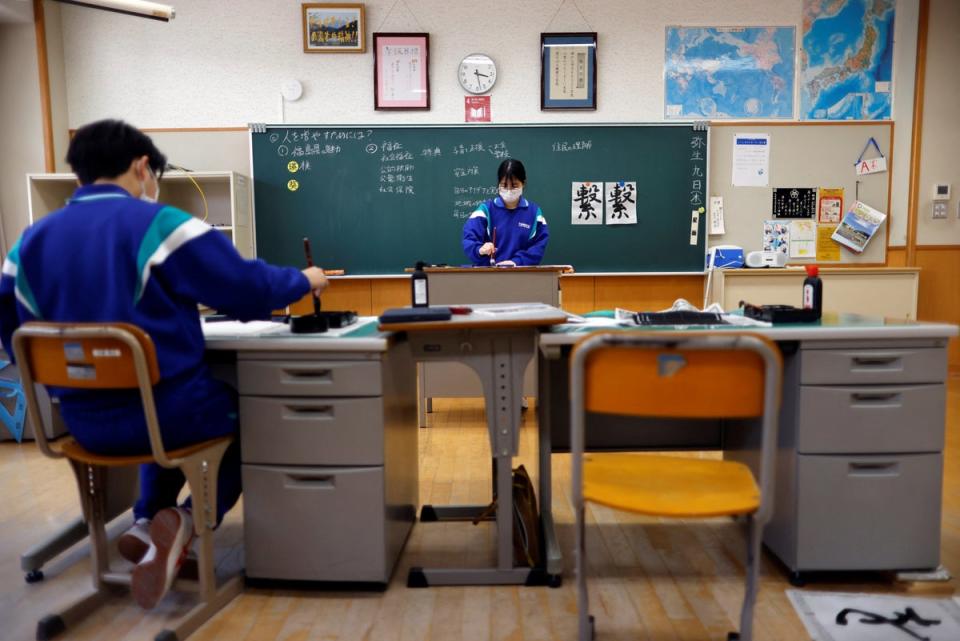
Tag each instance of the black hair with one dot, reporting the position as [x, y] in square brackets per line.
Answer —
[511, 168]
[105, 149]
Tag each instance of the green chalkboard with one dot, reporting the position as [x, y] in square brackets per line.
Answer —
[374, 200]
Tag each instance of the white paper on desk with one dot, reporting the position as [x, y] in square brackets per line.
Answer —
[751, 160]
[236, 328]
[518, 308]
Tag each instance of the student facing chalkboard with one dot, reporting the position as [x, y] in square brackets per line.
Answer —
[508, 230]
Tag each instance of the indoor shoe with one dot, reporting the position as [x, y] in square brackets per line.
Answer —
[135, 542]
[170, 534]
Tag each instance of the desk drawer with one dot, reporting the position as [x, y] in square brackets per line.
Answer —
[314, 523]
[868, 419]
[309, 378]
[868, 512]
[308, 431]
[859, 366]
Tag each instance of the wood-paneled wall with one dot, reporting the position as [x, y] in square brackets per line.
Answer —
[939, 297]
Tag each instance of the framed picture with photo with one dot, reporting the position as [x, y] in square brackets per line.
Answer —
[333, 27]
[568, 70]
[401, 76]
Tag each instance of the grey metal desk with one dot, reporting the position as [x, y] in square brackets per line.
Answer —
[329, 449]
[497, 342]
[860, 452]
[474, 285]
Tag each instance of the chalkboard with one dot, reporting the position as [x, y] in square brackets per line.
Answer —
[374, 200]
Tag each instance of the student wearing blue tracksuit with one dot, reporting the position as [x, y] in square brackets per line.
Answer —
[112, 254]
[521, 230]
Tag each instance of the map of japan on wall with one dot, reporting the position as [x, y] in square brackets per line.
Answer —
[729, 72]
[846, 61]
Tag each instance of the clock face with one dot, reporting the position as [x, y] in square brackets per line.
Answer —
[477, 73]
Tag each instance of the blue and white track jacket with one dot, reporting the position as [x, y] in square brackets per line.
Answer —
[110, 257]
[521, 232]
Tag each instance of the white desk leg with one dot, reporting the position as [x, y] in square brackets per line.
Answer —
[499, 357]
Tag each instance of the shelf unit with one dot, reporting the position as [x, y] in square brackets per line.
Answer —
[228, 194]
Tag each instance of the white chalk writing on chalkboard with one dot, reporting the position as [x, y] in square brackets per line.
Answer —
[577, 145]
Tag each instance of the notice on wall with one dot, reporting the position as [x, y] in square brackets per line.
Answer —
[751, 160]
[827, 248]
[803, 239]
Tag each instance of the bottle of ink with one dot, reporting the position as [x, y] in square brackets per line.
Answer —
[418, 284]
[813, 290]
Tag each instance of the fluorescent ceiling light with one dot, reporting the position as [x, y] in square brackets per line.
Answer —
[139, 8]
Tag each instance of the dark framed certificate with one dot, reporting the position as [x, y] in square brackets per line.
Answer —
[568, 70]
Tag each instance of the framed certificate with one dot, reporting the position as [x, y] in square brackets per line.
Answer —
[568, 70]
[401, 77]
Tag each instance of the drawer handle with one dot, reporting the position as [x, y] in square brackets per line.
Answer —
[875, 397]
[310, 411]
[311, 481]
[312, 374]
[875, 361]
[878, 468]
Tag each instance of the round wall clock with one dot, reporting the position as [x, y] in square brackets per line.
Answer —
[477, 73]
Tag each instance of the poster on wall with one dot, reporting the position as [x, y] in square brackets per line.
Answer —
[729, 72]
[846, 70]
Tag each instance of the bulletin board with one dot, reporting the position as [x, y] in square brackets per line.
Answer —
[802, 155]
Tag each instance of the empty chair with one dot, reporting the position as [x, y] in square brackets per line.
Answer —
[706, 375]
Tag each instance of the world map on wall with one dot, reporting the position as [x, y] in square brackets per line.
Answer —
[737, 72]
[846, 62]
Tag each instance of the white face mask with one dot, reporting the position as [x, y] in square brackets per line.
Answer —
[143, 190]
[511, 196]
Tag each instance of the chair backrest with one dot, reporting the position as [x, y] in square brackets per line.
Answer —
[86, 355]
[721, 374]
[94, 356]
[683, 376]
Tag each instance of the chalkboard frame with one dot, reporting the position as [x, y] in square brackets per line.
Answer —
[692, 262]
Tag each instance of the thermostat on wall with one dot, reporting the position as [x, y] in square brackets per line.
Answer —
[941, 191]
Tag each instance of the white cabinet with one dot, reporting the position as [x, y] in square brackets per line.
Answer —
[889, 292]
[227, 194]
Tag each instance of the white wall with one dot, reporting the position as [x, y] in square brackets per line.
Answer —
[221, 63]
[904, 74]
[941, 131]
[16, 11]
[21, 137]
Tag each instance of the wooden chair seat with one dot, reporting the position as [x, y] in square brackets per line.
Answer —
[75, 452]
[669, 486]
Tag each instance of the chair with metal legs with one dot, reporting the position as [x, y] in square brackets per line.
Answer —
[119, 356]
[705, 375]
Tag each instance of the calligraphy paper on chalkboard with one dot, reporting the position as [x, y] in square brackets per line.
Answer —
[621, 203]
[586, 203]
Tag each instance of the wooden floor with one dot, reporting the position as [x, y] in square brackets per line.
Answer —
[650, 579]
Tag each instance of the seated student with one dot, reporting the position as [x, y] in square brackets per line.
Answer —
[114, 254]
[508, 230]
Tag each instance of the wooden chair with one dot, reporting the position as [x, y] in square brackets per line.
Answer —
[119, 356]
[702, 375]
